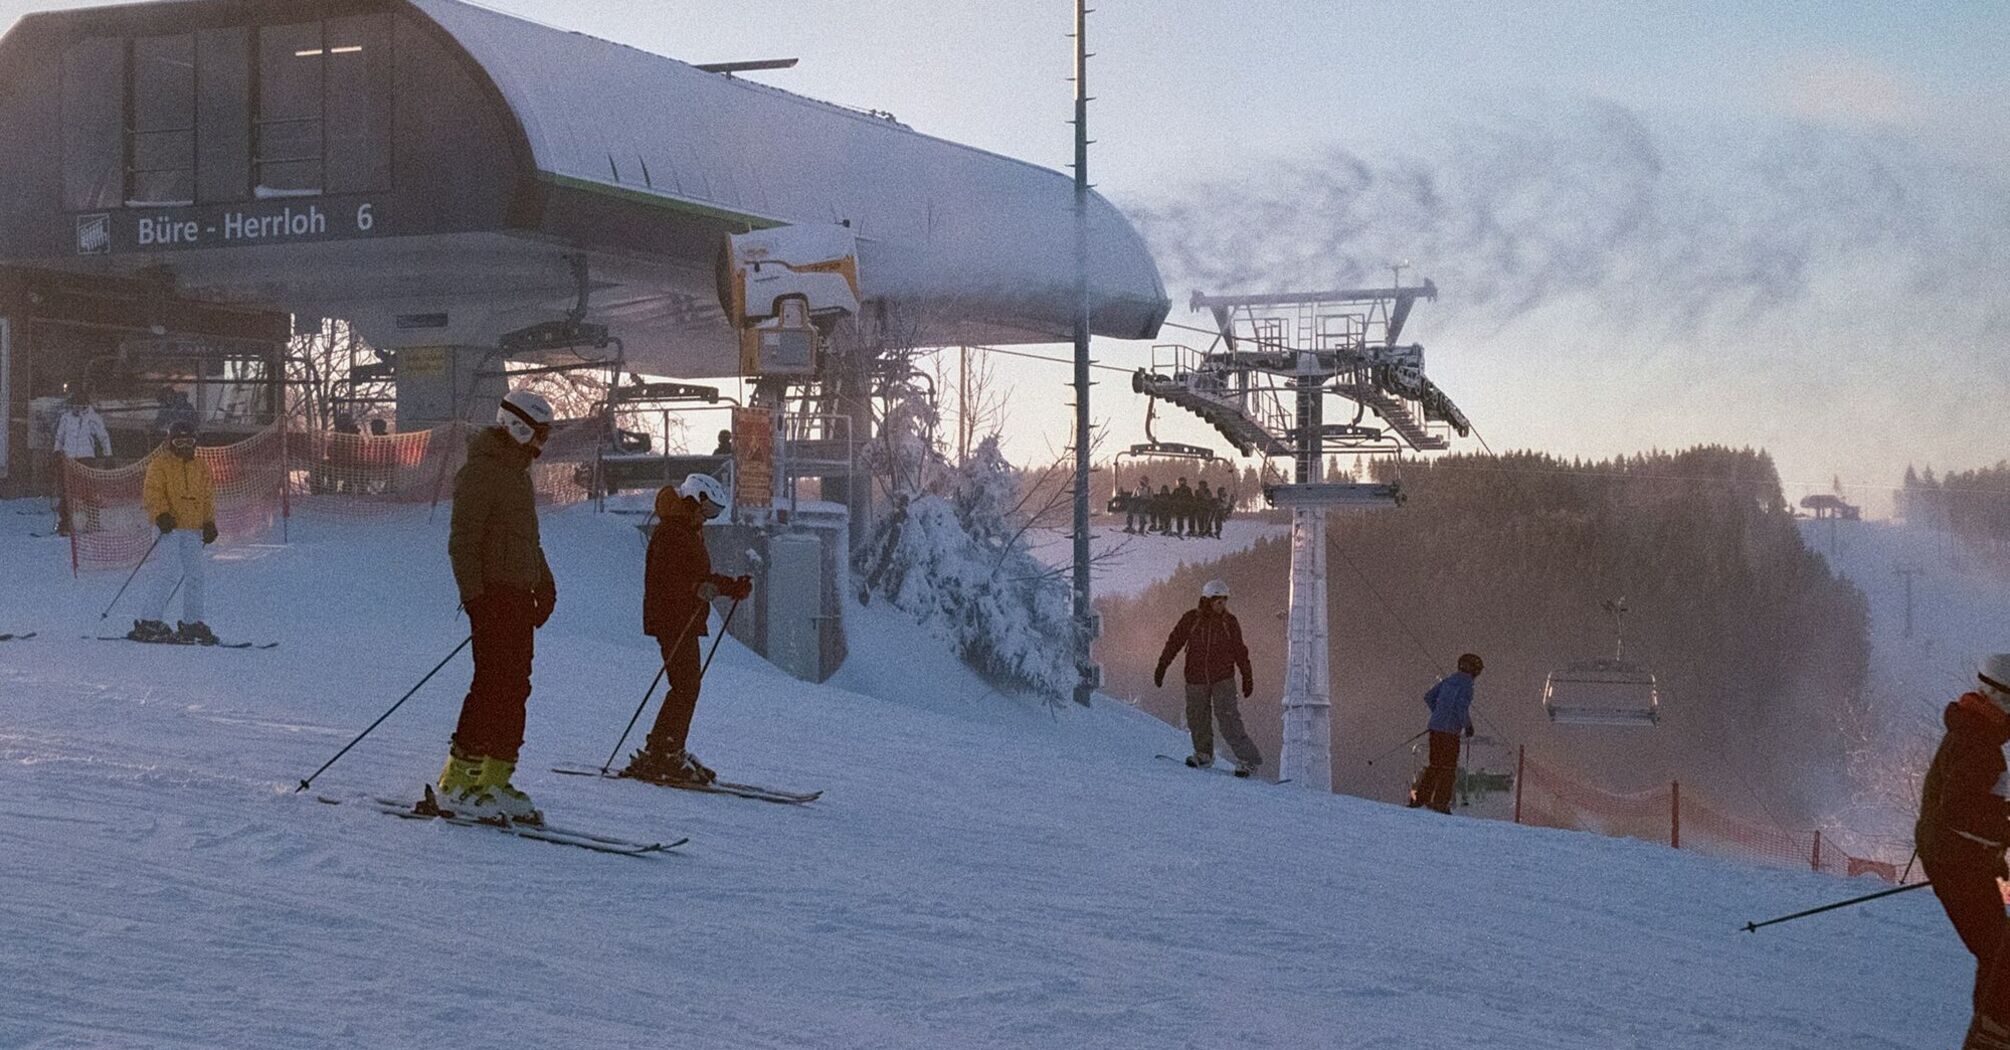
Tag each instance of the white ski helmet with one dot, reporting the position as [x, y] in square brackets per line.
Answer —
[1994, 674]
[524, 415]
[1215, 589]
[703, 487]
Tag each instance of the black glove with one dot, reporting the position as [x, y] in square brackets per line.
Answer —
[208, 533]
[1469, 732]
[1159, 677]
[165, 522]
[542, 601]
[1248, 687]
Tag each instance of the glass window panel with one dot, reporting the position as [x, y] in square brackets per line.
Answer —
[292, 61]
[284, 177]
[290, 141]
[163, 150]
[161, 188]
[223, 113]
[164, 83]
[359, 103]
[94, 98]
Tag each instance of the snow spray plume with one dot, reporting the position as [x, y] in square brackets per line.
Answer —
[1673, 284]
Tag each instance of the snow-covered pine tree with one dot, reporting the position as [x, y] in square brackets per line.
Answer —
[958, 562]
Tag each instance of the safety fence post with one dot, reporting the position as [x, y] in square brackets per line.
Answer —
[1520, 765]
[1675, 814]
[1818, 850]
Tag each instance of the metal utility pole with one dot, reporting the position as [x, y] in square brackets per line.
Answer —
[1908, 571]
[1308, 693]
[1084, 615]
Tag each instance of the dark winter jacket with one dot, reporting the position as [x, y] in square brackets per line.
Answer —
[1963, 817]
[678, 562]
[1451, 703]
[1214, 649]
[494, 539]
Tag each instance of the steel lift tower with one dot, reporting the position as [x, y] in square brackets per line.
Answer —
[1264, 384]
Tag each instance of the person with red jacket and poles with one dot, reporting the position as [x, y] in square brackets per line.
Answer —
[677, 589]
[1212, 638]
[1963, 828]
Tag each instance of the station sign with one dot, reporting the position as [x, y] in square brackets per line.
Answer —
[226, 226]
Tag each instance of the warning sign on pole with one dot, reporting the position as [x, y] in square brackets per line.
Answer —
[754, 458]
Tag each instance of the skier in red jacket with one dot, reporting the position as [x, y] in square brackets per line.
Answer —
[1964, 826]
[677, 589]
[1214, 653]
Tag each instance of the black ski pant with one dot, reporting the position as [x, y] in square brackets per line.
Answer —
[1439, 778]
[1968, 891]
[504, 626]
[680, 665]
[1215, 704]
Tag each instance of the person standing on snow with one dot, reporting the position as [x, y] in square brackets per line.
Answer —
[80, 435]
[508, 591]
[1451, 703]
[180, 497]
[1212, 638]
[677, 588]
[1963, 828]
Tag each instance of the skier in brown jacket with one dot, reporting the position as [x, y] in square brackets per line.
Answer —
[1964, 826]
[508, 591]
[677, 589]
[1212, 638]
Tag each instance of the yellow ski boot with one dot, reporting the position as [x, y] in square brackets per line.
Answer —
[503, 796]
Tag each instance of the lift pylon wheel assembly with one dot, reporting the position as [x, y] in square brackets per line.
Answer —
[1263, 385]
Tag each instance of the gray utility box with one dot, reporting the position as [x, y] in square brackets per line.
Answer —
[800, 572]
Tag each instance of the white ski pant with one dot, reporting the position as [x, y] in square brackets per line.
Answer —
[178, 559]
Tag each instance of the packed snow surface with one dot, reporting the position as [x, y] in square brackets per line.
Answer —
[981, 872]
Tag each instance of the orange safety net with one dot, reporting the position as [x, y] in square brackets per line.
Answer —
[265, 478]
[1678, 815]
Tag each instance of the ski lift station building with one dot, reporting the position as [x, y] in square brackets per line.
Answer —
[440, 175]
[190, 182]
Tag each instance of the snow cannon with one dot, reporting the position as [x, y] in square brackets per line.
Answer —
[783, 289]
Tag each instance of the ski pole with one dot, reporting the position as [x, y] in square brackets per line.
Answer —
[380, 718]
[661, 669]
[1752, 926]
[730, 610]
[136, 572]
[1398, 747]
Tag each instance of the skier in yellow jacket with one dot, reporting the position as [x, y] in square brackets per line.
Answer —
[181, 500]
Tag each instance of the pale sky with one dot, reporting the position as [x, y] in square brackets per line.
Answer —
[1209, 104]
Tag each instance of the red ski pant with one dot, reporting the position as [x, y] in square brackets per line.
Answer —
[1974, 904]
[680, 664]
[504, 626]
[1439, 778]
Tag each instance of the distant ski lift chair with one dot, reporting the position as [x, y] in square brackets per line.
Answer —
[1604, 692]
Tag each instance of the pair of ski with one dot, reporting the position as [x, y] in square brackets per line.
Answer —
[171, 641]
[428, 808]
[716, 787]
[1223, 772]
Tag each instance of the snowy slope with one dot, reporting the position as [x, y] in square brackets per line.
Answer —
[981, 872]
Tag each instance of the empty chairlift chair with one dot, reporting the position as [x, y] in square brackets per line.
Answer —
[1604, 692]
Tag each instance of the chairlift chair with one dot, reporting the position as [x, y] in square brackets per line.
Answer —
[1604, 692]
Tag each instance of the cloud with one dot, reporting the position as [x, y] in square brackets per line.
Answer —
[1612, 282]
[1848, 92]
